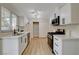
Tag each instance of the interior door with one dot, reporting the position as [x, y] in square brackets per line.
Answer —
[35, 29]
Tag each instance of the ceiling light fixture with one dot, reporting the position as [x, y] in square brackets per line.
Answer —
[35, 14]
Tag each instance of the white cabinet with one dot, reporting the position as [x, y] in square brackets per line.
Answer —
[9, 46]
[57, 46]
[23, 42]
[57, 11]
[20, 45]
[69, 14]
[65, 14]
[75, 13]
[54, 14]
[21, 21]
[13, 45]
[64, 46]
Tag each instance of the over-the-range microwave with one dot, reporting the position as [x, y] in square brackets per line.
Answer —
[56, 21]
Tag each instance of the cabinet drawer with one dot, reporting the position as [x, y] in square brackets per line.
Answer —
[56, 52]
[10, 44]
[57, 44]
[56, 40]
[58, 48]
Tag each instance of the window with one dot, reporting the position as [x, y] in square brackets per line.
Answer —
[14, 21]
[5, 19]
[8, 20]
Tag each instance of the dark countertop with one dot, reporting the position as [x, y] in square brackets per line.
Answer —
[52, 33]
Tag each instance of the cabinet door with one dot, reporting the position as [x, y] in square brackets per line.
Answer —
[20, 45]
[54, 46]
[75, 13]
[23, 43]
[21, 21]
[65, 14]
[1, 44]
[10, 44]
[57, 46]
[25, 40]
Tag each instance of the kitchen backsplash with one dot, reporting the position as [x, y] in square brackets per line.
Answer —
[70, 30]
[74, 30]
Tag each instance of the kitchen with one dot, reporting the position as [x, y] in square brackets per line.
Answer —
[57, 23]
[68, 21]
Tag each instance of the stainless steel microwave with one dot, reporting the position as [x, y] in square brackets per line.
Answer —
[56, 21]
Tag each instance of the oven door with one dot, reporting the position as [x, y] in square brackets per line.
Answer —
[50, 42]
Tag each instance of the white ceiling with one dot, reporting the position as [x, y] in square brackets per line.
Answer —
[22, 9]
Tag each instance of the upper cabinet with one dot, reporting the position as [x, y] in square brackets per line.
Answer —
[69, 14]
[21, 21]
[65, 14]
[75, 13]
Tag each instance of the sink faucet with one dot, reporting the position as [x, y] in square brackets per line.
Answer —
[14, 31]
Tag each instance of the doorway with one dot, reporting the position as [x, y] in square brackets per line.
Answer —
[36, 29]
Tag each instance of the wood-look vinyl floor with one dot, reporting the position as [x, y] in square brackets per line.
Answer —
[38, 46]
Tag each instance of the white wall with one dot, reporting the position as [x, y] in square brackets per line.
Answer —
[43, 24]
[43, 29]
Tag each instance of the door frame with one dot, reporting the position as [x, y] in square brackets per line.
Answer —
[33, 30]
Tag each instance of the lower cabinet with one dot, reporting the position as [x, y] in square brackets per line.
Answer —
[23, 43]
[57, 46]
[10, 46]
[66, 46]
[13, 45]
[28, 38]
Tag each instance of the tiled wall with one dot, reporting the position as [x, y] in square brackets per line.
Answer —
[71, 30]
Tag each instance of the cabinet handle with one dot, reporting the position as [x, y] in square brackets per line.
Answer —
[56, 52]
[25, 40]
[21, 39]
[56, 38]
[63, 21]
[56, 44]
